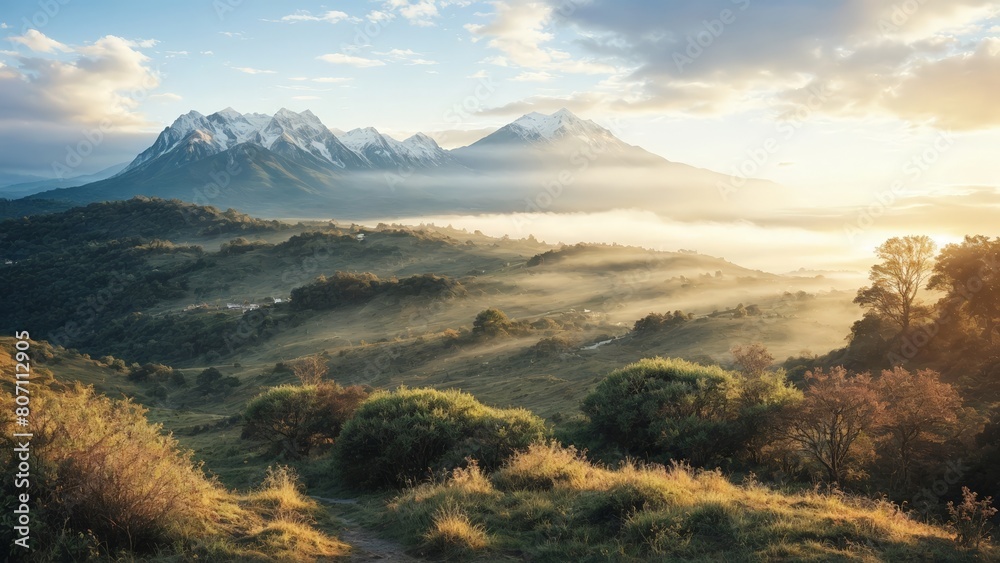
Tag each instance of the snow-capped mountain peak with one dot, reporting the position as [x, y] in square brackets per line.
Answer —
[538, 126]
[303, 137]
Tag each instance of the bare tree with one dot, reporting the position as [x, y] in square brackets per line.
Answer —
[311, 370]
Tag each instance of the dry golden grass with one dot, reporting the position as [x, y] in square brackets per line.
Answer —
[452, 531]
[550, 504]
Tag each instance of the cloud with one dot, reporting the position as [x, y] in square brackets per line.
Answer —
[350, 60]
[332, 79]
[873, 57]
[479, 74]
[520, 30]
[306, 98]
[420, 13]
[577, 103]
[207, 53]
[39, 43]
[496, 61]
[533, 77]
[143, 43]
[250, 70]
[233, 34]
[332, 16]
[379, 16]
[167, 96]
[52, 103]
[958, 92]
[407, 56]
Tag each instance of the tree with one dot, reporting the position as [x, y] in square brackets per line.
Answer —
[311, 370]
[492, 322]
[674, 409]
[830, 424]
[904, 264]
[969, 273]
[209, 377]
[297, 419]
[753, 360]
[920, 411]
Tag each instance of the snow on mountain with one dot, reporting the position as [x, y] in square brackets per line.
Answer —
[537, 127]
[303, 138]
[228, 128]
[385, 152]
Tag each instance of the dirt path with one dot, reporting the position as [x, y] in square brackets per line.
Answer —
[365, 545]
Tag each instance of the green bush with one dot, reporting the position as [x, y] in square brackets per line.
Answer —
[673, 409]
[402, 436]
[492, 322]
[351, 289]
[295, 420]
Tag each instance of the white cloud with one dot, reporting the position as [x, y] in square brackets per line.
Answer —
[407, 56]
[233, 34]
[520, 30]
[420, 13]
[143, 43]
[40, 43]
[167, 96]
[479, 74]
[249, 70]
[332, 16]
[342, 59]
[3, 25]
[306, 98]
[533, 77]
[379, 16]
[332, 79]
[100, 84]
[207, 53]
[397, 53]
[496, 61]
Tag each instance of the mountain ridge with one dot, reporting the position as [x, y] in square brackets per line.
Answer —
[292, 165]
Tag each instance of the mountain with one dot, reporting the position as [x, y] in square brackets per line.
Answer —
[20, 190]
[194, 136]
[292, 165]
[418, 151]
[535, 139]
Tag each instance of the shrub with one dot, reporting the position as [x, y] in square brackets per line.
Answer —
[654, 322]
[452, 531]
[971, 519]
[295, 420]
[552, 346]
[151, 372]
[102, 470]
[492, 322]
[401, 436]
[674, 409]
[209, 378]
[543, 467]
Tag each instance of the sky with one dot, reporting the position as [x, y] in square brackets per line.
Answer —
[840, 99]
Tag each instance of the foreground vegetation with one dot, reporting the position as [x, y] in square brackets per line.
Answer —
[550, 504]
[398, 396]
[106, 483]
